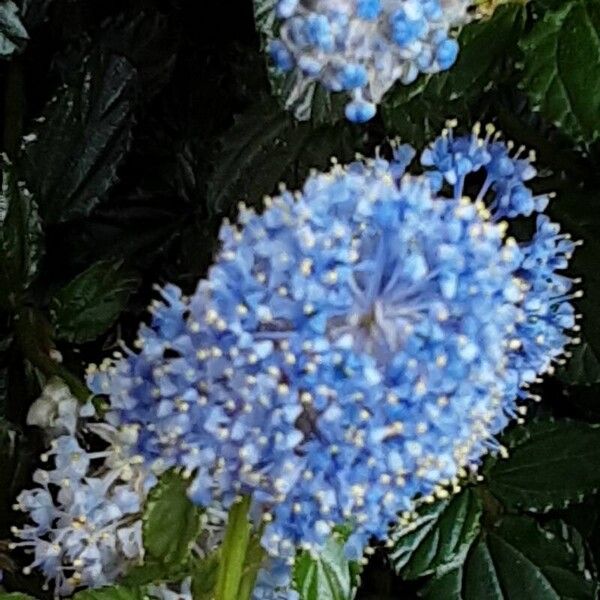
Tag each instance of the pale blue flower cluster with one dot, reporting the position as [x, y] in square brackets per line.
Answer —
[355, 346]
[87, 527]
[364, 46]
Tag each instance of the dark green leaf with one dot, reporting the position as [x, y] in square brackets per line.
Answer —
[439, 538]
[171, 522]
[447, 586]
[261, 149]
[328, 577]
[518, 560]
[111, 593]
[148, 43]
[87, 306]
[583, 367]
[561, 75]
[15, 468]
[250, 136]
[418, 111]
[34, 12]
[20, 239]
[84, 136]
[155, 571]
[552, 465]
[13, 35]
[579, 214]
[204, 578]
[15, 596]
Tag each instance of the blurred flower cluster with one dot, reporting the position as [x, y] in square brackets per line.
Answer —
[364, 46]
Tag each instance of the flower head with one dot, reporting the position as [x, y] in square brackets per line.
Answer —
[355, 346]
[364, 46]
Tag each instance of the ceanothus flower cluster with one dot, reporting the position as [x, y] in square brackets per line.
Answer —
[364, 46]
[87, 526]
[355, 346]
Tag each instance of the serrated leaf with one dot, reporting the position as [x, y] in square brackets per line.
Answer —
[517, 560]
[147, 42]
[551, 465]
[87, 306]
[251, 134]
[583, 368]
[261, 149]
[20, 239]
[171, 523]
[328, 577]
[418, 111]
[111, 593]
[439, 538]
[13, 35]
[83, 138]
[561, 75]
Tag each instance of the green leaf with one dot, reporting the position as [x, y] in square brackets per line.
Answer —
[84, 135]
[583, 368]
[15, 469]
[34, 12]
[579, 214]
[87, 306]
[328, 577]
[111, 593]
[204, 578]
[561, 76]
[15, 596]
[262, 148]
[171, 523]
[551, 465]
[418, 111]
[447, 586]
[20, 239]
[13, 36]
[439, 538]
[517, 560]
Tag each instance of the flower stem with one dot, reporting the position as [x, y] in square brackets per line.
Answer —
[233, 554]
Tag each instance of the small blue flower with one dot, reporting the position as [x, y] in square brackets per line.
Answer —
[360, 111]
[446, 53]
[368, 9]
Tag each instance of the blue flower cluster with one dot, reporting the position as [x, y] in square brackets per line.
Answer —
[364, 46]
[355, 346]
[85, 511]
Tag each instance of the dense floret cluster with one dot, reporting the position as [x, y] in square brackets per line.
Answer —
[87, 528]
[364, 46]
[355, 346]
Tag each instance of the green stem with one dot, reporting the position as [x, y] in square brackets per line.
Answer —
[233, 553]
